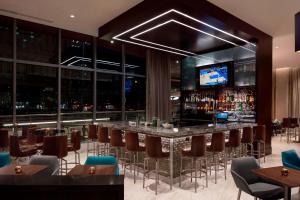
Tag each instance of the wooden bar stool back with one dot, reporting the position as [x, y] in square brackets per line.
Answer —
[154, 151]
[133, 149]
[103, 141]
[247, 141]
[217, 153]
[197, 155]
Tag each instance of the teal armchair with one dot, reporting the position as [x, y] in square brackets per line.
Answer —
[4, 159]
[290, 159]
[103, 160]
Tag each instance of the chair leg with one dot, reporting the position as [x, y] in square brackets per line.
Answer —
[216, 167]
[156, 174]
[206, 172]
[264, 152]
[196, 175]
[144, 173]
[134, 167]
[259, 153]
[192, 165]
[180, 171]
[239, 194]
[225, 165]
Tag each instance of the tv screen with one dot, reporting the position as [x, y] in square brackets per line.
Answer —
[214, 75]
[128, 85]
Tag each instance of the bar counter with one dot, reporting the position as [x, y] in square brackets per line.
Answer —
[174, 139]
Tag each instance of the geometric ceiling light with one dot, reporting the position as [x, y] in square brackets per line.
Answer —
[169, 49]
[297, 32]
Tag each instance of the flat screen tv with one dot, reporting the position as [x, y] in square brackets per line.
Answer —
[214, 75]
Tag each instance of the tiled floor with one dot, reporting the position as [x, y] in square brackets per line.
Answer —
[223, 190]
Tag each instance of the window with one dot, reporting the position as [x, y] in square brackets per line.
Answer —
[109, 56]
[37, 42]
[135, 60]
[6, 37]
[76, 94]
[109, 92]
[36, 93]
[135, 93]
[5, 92]
[76, 49]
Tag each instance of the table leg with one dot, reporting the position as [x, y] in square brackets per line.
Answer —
[287, 193]
[171, 161]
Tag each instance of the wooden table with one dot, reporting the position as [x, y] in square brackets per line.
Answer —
[26, 169]
[274, 174]
[100, 170]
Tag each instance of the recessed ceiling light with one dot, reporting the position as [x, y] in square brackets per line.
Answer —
[112, 41]
[177, 61]
[72, 16]
[277, 47]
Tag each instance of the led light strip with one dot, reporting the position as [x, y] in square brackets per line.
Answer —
[97, 61]
[54, 122]
[206, 24]
[193, 28]
[182, 14]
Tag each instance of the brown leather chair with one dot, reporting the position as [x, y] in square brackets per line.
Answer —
[259, 132]
[18, 151]
[92, 138]
[4, 141]
[247, 140]
[288, 128]
[57, 146]
[234, 143]
[154, 152]
[103, 141]
[133, 149]
[116, 142]
[75, 145]
[217, 152]
[197, 153]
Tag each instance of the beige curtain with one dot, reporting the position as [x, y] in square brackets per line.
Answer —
[294, 93]
[158, 85]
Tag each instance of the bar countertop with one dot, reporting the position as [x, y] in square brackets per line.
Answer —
[176, 132]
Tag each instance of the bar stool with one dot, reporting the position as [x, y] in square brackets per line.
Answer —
[154, 151]
[217, 152]
[133, 148]
[57, 146]
[92, 137]
[294, 126]
[117, 144]
[260, 139]
[197, 153]
[247, 140]
[75, 145]
[233, 145]
[4, 141]
[18, 152]
[103, 141]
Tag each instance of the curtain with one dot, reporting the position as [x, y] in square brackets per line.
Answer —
[158, 85]
[294, 93]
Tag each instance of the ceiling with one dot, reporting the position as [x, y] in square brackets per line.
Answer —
[89, 14]
[274, 17]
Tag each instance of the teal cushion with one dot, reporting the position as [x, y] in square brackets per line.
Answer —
[290, 159]
[102, 160]
[4, 159]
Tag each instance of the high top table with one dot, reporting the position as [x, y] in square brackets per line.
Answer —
[274, 174]
[175, 138]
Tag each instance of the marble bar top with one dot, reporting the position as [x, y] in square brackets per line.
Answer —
[175, 132]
